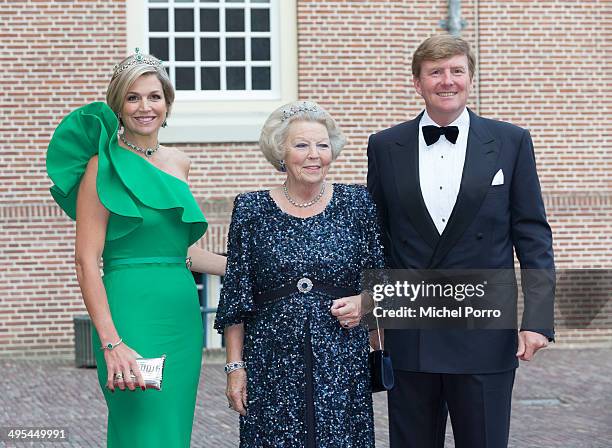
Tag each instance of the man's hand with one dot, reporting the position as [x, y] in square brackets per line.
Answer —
[529, 342]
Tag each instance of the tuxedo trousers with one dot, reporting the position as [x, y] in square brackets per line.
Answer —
[478, 404]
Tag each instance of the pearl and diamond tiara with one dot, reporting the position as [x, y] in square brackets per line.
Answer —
[296, 109]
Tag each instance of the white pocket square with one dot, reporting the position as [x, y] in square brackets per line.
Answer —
[499, 178]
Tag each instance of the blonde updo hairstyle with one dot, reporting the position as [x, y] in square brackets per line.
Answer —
[276, 129]
[121, 83]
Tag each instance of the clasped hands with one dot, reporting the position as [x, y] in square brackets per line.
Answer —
[348, 311]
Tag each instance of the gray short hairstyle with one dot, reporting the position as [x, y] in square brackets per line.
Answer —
[120, 84]
[275, 129]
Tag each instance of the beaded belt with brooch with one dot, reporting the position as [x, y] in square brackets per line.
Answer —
[303, 285]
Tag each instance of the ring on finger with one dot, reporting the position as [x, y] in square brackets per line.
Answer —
[345, 324]
[119, 376]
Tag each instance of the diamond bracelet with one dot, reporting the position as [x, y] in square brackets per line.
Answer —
[231, 366]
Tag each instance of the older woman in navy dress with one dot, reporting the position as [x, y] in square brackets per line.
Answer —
[290, 306]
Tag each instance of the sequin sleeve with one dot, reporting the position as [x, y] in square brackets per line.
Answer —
[373, 254]
[236, 301]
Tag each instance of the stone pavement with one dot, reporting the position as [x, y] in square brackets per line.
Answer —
[562, 399]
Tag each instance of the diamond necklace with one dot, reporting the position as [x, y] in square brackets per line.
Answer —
[303, 204]
[146, 151]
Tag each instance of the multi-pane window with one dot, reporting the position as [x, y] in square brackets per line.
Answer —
[222, 47]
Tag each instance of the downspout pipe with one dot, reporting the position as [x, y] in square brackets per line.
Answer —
[453, 24]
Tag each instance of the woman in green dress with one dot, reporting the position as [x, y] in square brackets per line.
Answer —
[133, 208]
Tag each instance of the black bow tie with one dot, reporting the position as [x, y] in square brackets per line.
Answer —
[432, 134]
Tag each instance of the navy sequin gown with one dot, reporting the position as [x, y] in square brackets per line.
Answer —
[308, 379]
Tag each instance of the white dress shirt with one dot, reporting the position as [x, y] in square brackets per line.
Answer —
[440, 169]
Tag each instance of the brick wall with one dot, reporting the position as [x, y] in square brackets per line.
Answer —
[543, 65]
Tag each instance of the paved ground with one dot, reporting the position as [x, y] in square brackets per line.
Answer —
[563, 399]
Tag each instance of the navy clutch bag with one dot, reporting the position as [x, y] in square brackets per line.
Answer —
[381, 371]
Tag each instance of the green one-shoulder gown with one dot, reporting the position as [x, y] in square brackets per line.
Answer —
[151, 293]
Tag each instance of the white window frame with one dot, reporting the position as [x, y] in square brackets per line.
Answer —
[205, 117]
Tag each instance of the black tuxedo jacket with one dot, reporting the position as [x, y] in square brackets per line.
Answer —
[486, 224]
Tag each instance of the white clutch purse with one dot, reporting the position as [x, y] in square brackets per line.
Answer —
[152, 371]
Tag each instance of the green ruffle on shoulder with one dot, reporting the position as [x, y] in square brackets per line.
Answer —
[124, 181]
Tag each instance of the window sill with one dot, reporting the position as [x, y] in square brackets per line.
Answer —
[209, 127]
[220, 121]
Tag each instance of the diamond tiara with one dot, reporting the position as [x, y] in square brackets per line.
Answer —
[303, 107]
[138, 58]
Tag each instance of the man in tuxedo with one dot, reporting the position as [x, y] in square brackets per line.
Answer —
[458, 191]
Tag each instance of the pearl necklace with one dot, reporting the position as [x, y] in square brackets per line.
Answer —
[303, 204]
[146, 151]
